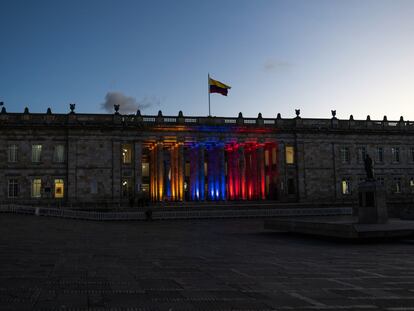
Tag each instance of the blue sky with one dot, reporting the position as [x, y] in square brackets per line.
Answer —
[353, 56]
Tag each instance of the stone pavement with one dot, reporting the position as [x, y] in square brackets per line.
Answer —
[63, 264]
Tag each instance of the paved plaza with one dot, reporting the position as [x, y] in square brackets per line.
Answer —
[52, 263]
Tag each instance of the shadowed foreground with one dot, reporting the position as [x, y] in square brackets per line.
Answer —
[51, 263]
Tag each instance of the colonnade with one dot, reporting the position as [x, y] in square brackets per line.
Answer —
[212, 171]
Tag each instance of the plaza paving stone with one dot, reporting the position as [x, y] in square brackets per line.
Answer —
[64, 264]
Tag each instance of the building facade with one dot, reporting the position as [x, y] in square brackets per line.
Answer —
[117, 159]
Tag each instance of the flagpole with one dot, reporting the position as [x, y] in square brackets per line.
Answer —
[208, 90]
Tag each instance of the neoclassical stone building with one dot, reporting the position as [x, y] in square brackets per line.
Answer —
[115, 159]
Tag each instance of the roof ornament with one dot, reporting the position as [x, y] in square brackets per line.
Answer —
[297, 111]
[72, 108]
[116, 108]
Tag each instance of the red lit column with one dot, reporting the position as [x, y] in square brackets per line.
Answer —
[242, 161]
[261, 173]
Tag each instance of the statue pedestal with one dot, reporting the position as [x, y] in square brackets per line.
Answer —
[372, 205]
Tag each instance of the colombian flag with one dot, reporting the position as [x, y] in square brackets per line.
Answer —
[218, 87]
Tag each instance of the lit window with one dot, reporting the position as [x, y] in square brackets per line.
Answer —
[412, 184]
[274, 158]
[126, 187]
[36, 153]
[290, 155]
[361, 153]
[36, 188]
[59, 154]
[345, 186]
[380, 155]
[345, 155]
[397, 185]
[59, 188]
[12, 153]
[126, 153]
[395, 154]
[13, 189]
[145, 169]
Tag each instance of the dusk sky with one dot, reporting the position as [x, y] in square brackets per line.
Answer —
[353, 56]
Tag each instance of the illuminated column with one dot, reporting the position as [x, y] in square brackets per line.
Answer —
[201, 175]
[160, 171]
[193, 174]
[153, 175]
[222, 175]
[172, 172]
[230, 174]
[247, 156]
[236, 174]
[210, 173]
[180, 170]
[253, 172]
[261, 173]
[242, 165]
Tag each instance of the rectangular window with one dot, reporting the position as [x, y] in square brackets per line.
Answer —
[145, 169]
[380, 155]
[395, 154]
[412, 184]
[290, 155]
[381, 180]
[345, 186]
[361, 153]
[36, 188]
[412, 154]
[345, 155]
[59, 188]
[36, 153]
[126, 187]
[94, 186]
[59, 154]
[266, 157]
[126, 153]
[397, 185]
[274, 159]
[13, 188]
[12, 153]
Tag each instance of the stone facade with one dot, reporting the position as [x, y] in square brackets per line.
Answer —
[111, 159]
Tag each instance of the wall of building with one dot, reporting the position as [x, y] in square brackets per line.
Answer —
[93, 172]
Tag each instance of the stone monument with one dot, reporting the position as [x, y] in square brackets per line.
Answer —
[372, 204]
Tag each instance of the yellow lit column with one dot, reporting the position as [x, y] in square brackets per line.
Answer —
[153, 183]
[160, 171]
[180, 169]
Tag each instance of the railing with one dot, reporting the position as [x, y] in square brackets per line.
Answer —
[74, 119]
[172, 214]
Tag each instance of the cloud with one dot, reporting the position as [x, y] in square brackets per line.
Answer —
[127, 104]
[276, 65]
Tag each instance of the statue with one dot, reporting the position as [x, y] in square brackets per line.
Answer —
[368, 167]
